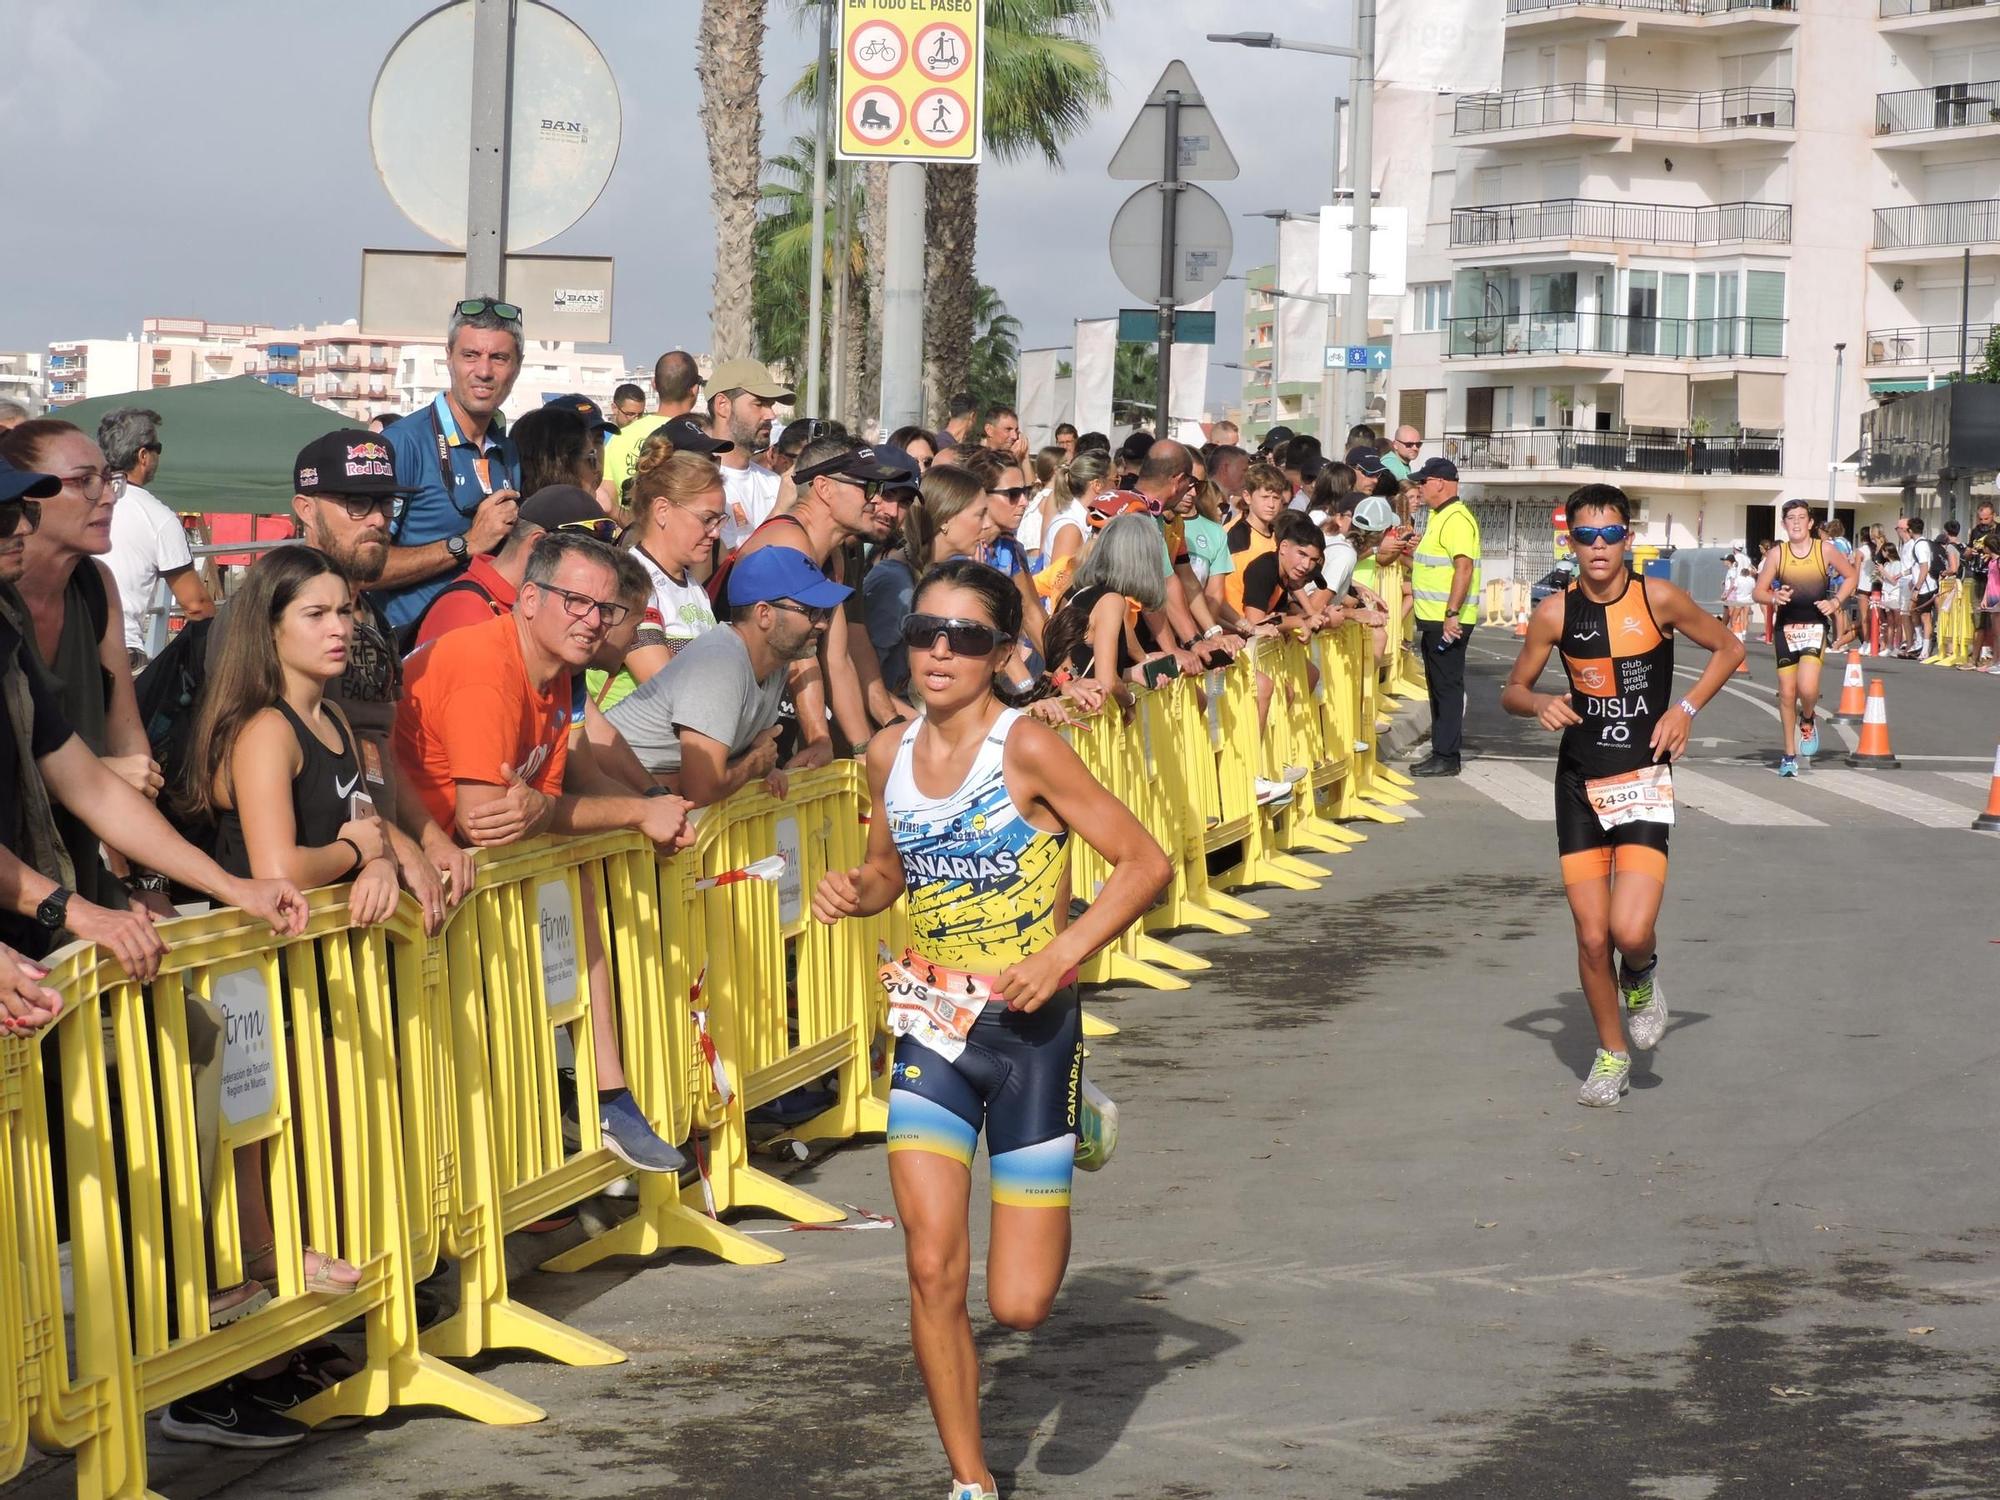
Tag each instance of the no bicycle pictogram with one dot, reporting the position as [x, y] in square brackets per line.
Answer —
[876, 50]
[940, 116]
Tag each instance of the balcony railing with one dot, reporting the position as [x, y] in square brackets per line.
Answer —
[1525, 335]
[1891, 9]
[1618, 104]
[1614, 452]
[1935, 344]
[1665, 7]
[1974, 221]
[1627, 223]
[1945, 106]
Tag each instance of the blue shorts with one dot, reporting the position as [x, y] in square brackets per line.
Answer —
[1018, 1077]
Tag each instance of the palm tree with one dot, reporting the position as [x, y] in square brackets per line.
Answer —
[1044, 77]
[996, 348]
[730, 64]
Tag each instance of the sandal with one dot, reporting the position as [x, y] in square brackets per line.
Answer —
[229, 1303]
[324, 1273]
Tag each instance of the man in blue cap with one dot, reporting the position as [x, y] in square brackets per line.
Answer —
[707, 723]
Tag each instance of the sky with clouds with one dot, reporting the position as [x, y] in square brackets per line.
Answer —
[210, 158]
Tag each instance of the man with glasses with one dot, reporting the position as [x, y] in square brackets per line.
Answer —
[148, 544]
[707, 723]
[463, 471]
[483, 740]
[628, 404]
[1403, 450]
[490, 585]
[741, 394]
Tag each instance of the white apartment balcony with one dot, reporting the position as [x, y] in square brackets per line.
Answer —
[1914, 352]
[1603, 341]
[1930, 17]
[1570, 456]
[1943, 115]
[1622, 114]
[1632, 17]
[1926, 232]
[1598, 226]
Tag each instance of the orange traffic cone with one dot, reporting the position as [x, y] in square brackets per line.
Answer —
[1874, 752]
[1989, 821]
[1853, 689]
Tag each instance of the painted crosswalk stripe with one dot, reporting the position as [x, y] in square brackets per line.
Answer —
[1969, 778]
[1514, 787]
[1888, 796]
[1731, 804]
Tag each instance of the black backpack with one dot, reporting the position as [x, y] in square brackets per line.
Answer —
[169, 693]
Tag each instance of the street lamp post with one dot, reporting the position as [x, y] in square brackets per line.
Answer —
[1361, 144]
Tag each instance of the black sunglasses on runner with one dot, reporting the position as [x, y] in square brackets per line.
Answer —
[961, 637]
[15, 512]
[473, 307]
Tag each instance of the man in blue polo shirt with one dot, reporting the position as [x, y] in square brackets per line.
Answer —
[462, 469]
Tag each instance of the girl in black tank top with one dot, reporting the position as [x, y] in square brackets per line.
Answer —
[323, 792]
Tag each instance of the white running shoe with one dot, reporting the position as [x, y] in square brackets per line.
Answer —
[1609, 1077]
[1645, 1005]
[1271, 793]
[1096, 1128]
[972, 1492]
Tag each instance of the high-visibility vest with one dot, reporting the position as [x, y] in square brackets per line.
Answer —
[1452, 531]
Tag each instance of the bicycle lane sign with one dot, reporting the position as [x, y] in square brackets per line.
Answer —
[912, 81]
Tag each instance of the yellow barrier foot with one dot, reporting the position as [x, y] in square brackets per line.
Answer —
[748, 1187]
[1323, 829]
[1153, 951]
[666, 1226]
[1378, 814]
[1391, 774]
[1114, 966]
[1235, 907]
[1267, 871]
[419, 1380]
[1395, 796]
[1096, 1027]
[1194, 914]
[509, 1325]
[1297, 866]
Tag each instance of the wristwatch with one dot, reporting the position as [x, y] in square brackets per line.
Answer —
[457, 548]
[150, 881]
[54, 908]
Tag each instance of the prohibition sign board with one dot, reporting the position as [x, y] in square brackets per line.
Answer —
[912, 80]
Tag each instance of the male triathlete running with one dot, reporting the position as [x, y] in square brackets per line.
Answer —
[1614, 790]
[1798, 578]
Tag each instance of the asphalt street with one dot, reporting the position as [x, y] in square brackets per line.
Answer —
[1360, 1240]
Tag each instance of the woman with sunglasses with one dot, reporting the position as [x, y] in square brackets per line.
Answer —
[1621, 732]
[975, 807]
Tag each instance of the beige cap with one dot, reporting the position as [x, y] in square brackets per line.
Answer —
[747, 375]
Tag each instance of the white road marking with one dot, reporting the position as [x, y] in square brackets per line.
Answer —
[1970, 778]
[1515, 788]
[1879, 791]
[1733, 805]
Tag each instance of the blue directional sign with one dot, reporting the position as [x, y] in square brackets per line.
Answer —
[1358, 357]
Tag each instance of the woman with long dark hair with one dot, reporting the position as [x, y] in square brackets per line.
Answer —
[984, 1003]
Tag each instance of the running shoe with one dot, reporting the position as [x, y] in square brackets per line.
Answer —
[1645, 1005]
[1292, 775]
[1788, 765]
[1609, 1077]
[225, 1416]
[1096, 1128]
[1809, 738]
[632, 1140]
[1271, 793]
[972, 1492]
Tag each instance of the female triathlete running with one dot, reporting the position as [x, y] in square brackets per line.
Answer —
[1809, 584]
[1614, 786]
[975, 804]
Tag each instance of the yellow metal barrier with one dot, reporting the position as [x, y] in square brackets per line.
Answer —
[1405, 667]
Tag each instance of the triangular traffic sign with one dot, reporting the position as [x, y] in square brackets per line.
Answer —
[1204, 155]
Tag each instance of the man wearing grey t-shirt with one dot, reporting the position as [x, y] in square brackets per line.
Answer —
[706, 723]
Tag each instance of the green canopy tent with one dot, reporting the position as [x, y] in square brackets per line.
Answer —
[229, 444]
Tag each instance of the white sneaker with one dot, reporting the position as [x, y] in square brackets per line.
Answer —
[1645, 1005]
[1610, 1076]
[971, 1492]
[1271, 793]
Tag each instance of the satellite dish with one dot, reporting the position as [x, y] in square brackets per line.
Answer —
[563, 143]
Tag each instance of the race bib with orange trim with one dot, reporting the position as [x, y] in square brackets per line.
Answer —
[1642, 796]
[1805, 637]
[931, 1005]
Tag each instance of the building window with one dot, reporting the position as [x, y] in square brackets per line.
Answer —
[1430, 305]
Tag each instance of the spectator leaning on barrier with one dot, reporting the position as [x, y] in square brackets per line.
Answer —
[458, 462]
[707, 723]
[676, 385]
[148, 545]
[483, 739]
[1444, 582]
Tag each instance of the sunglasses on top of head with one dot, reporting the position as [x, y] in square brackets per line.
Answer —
[1610, 535]
[474, 307]
[604, 529]
[961, 637]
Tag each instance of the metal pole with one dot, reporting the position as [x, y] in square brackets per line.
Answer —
[492, 116]
[1170, 201]
[1964, 307]
[903, 299]
[1361, 173]
[836, 336]
[1329, 380]
[1833, 434]
[816, 287]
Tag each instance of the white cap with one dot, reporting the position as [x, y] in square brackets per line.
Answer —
[1373, 513]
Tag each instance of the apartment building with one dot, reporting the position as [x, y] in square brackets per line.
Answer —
[1681, 231]
[21, 377]
[166, 351]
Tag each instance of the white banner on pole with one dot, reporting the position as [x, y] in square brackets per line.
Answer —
[1388, 249]
[1096, 354]
[1451, 46]
[1301, 317]
[1066, 399]
[1187, 389]
[1035, 395]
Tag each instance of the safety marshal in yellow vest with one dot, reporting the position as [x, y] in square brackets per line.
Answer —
[1444, 586]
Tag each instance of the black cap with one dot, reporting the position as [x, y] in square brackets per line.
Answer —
[689, 436]
[586, 408]
[910, 474]
[862, 465]
[555, 506]
[1309, 466]
[28, 484]
[1276, 437]
[350, 461]
[1436, 468]
[1366, 461]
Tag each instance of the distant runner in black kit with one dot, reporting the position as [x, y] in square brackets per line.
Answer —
[1621, 731]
